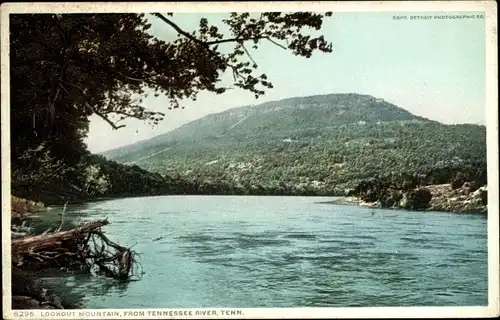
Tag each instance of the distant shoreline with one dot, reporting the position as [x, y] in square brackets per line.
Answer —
[339, 200]
[443, 200]
[98, 199]
[354, 201]
[343, 201]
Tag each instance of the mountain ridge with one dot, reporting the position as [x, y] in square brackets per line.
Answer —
[321, 142]
[112, 153]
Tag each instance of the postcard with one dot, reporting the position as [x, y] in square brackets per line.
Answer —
[234, 160]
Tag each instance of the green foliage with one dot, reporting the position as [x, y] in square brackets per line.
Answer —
[67, 67]
[38, 167]
[407, 190]
[313, 145]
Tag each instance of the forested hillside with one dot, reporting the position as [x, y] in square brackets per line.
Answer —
[65, 68]
[310, 145]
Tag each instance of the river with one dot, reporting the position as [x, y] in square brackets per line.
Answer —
[239, 251]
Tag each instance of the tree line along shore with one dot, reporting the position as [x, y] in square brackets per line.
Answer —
[67, 68]
[62, 246]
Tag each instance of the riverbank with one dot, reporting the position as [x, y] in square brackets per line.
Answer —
[83, 248]
[443, 198]
[27, 290]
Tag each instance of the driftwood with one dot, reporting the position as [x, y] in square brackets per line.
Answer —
[81, 248]
[84, 248]
[17, 235]
[52, 240]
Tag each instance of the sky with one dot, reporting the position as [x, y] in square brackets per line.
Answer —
[433, 68]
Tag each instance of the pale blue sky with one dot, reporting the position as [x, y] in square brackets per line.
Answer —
[433, 68]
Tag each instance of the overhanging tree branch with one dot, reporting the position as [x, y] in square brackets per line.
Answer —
[274, 42]
[238, 39]
[89, 107]
[177, 28]
[125, 114]
[208, 43]
[248, 54]
[203, 43]
[83, 64]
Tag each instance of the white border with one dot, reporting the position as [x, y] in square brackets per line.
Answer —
[490, 9]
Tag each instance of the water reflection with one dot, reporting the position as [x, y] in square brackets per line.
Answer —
[78, 289]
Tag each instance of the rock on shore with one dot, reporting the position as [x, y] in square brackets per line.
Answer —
[463, 199]
[443, 198]
[28, 292]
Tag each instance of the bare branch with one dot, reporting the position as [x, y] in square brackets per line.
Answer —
[236, 73]
[178, 29]
[113, 125]
[62, 218]
[201, 42]
[237, 39]
[206, 45]
[89, 107]
[248, 54]
[82, 63]
[150, 81]
[274, 42]
[124, 113]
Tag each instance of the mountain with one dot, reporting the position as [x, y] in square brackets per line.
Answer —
[316, 144]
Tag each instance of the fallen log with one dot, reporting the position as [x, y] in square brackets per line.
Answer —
[17, 235]
[81, 248]
[51, 240]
